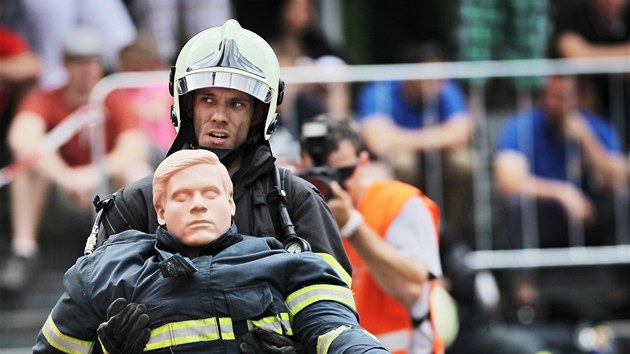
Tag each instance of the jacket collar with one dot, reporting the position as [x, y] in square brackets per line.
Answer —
[167, 244]
[255, 164]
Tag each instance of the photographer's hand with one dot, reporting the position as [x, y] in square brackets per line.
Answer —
[340, 204]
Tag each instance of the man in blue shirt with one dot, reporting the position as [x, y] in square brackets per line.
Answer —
[567, 163]
[564, 157]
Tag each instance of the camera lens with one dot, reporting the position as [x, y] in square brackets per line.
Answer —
[323, 185]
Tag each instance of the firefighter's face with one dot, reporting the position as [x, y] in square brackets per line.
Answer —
[197, 208]
[222, 117]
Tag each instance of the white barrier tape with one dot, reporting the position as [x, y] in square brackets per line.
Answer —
[549, 257]
[454, 70]
[82, 117]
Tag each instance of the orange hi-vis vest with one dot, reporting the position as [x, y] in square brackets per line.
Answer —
[379, 313]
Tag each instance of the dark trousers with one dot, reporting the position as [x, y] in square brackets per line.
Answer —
[544, 224]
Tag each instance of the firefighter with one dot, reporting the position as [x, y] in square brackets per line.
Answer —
[226, 88]
[204, 285]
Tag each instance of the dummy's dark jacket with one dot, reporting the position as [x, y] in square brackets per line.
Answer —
[309, 212]
[240, 282]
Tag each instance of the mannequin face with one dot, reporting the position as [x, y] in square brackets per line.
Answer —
[196, 207]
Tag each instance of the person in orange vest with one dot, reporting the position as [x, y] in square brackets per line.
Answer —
[389, 230]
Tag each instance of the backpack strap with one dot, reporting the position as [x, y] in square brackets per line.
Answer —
[118, 217]
[277, 195]
[112, 217]
[101, 205]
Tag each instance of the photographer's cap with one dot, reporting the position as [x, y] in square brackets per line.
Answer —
[81, 42]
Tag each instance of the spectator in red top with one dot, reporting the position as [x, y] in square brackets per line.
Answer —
[71, 168]
[19, 69]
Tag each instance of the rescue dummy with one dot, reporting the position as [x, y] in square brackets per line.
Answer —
[204, 286]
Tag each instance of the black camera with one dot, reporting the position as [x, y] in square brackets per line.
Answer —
[318, 144]
[322, 176]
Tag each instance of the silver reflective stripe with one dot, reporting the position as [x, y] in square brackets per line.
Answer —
[298, 300]
[279, 324]
[325, 340]
[268, 323]
[63, 342]
[202, 79]
[286, 322]
[184, 332]
[226, 327]
[395, 340]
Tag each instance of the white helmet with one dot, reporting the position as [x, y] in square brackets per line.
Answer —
[231, 57]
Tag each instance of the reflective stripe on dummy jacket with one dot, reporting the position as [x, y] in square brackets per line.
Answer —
[381, 314]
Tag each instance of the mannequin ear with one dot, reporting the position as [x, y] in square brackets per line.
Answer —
[232, 207]
[160, 215]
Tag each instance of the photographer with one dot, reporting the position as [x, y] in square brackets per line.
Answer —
[389, 231]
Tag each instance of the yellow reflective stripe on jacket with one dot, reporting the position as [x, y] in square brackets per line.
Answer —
[64, 342]
[298, 300]
[103, 349]
[191, 331]
[337, 267]
[226, 328]
[279, 324]
[325, 340]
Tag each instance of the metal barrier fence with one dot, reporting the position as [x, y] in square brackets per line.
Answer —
[483, 257]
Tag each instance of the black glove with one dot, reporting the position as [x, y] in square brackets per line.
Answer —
[259, 340]
[125, 331]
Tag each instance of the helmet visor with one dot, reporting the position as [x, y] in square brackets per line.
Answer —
[251, 86]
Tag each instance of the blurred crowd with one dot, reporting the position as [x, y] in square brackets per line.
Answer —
[559, 156]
